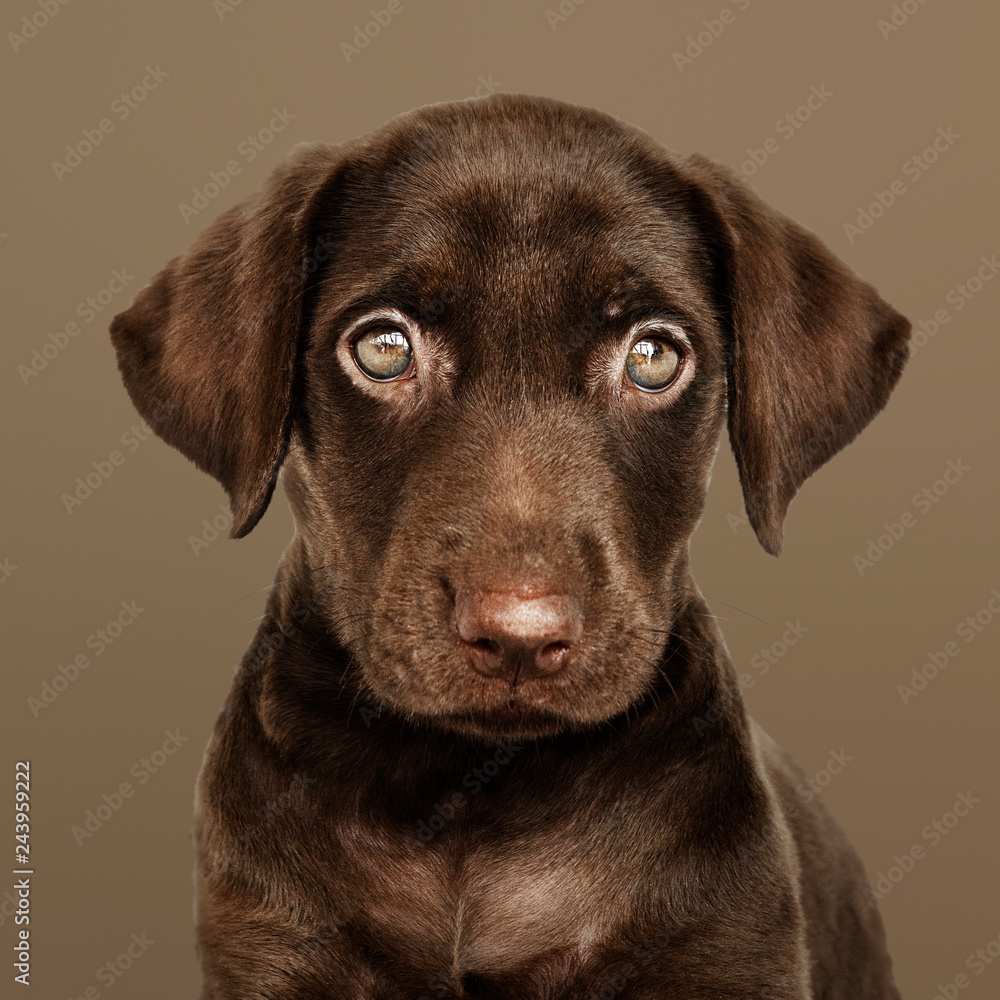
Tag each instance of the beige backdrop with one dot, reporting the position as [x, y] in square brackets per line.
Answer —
[891, 104]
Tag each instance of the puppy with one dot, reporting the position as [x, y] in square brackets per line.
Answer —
[488, 741]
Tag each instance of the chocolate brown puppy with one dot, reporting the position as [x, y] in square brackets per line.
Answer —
[488, 741]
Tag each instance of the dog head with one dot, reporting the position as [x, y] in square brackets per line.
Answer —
[490, 348]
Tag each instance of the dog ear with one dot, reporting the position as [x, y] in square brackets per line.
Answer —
[815, 350]
[207, 350]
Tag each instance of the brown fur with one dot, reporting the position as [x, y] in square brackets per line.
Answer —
[375, 817]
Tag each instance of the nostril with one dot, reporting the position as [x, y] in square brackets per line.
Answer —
[487, 646]
[517, 633]
[473, 986]
[551, 658]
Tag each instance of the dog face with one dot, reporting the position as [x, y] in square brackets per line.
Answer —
[491, 347]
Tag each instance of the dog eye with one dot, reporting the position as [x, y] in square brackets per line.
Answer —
[383, 353]
[653, 363]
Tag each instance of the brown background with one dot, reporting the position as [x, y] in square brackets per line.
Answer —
[834, 690]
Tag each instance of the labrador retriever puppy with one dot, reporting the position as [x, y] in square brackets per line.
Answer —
[488, 741]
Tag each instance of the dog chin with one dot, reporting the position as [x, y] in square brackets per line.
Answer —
[515, 721]
[503, 720]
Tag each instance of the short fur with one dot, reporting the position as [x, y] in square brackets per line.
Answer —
[377, 817]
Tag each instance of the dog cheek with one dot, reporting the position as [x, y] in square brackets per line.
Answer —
[665, 506]
[406, 658]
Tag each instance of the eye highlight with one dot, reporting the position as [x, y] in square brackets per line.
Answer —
[653, 363]
[383, 353]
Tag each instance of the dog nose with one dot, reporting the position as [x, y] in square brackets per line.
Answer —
[514, 635]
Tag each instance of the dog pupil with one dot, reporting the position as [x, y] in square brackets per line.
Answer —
[383, 354]
[389, 341]
[652, 364]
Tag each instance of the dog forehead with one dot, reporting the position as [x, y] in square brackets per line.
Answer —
[505, 173]
[536, 208]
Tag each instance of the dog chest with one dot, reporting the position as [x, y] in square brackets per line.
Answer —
[496, 906]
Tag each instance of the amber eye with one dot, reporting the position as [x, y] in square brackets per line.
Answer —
[383, 353]
[653, 363]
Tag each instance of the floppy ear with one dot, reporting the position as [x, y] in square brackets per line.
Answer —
[815, 349]
[207, 350]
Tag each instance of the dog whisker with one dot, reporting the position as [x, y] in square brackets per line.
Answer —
[715, 600]
[718, 618]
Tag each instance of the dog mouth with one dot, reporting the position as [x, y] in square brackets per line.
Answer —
[440, 681]
[520, 656]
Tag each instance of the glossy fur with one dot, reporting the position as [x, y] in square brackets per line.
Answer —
[376, 818]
